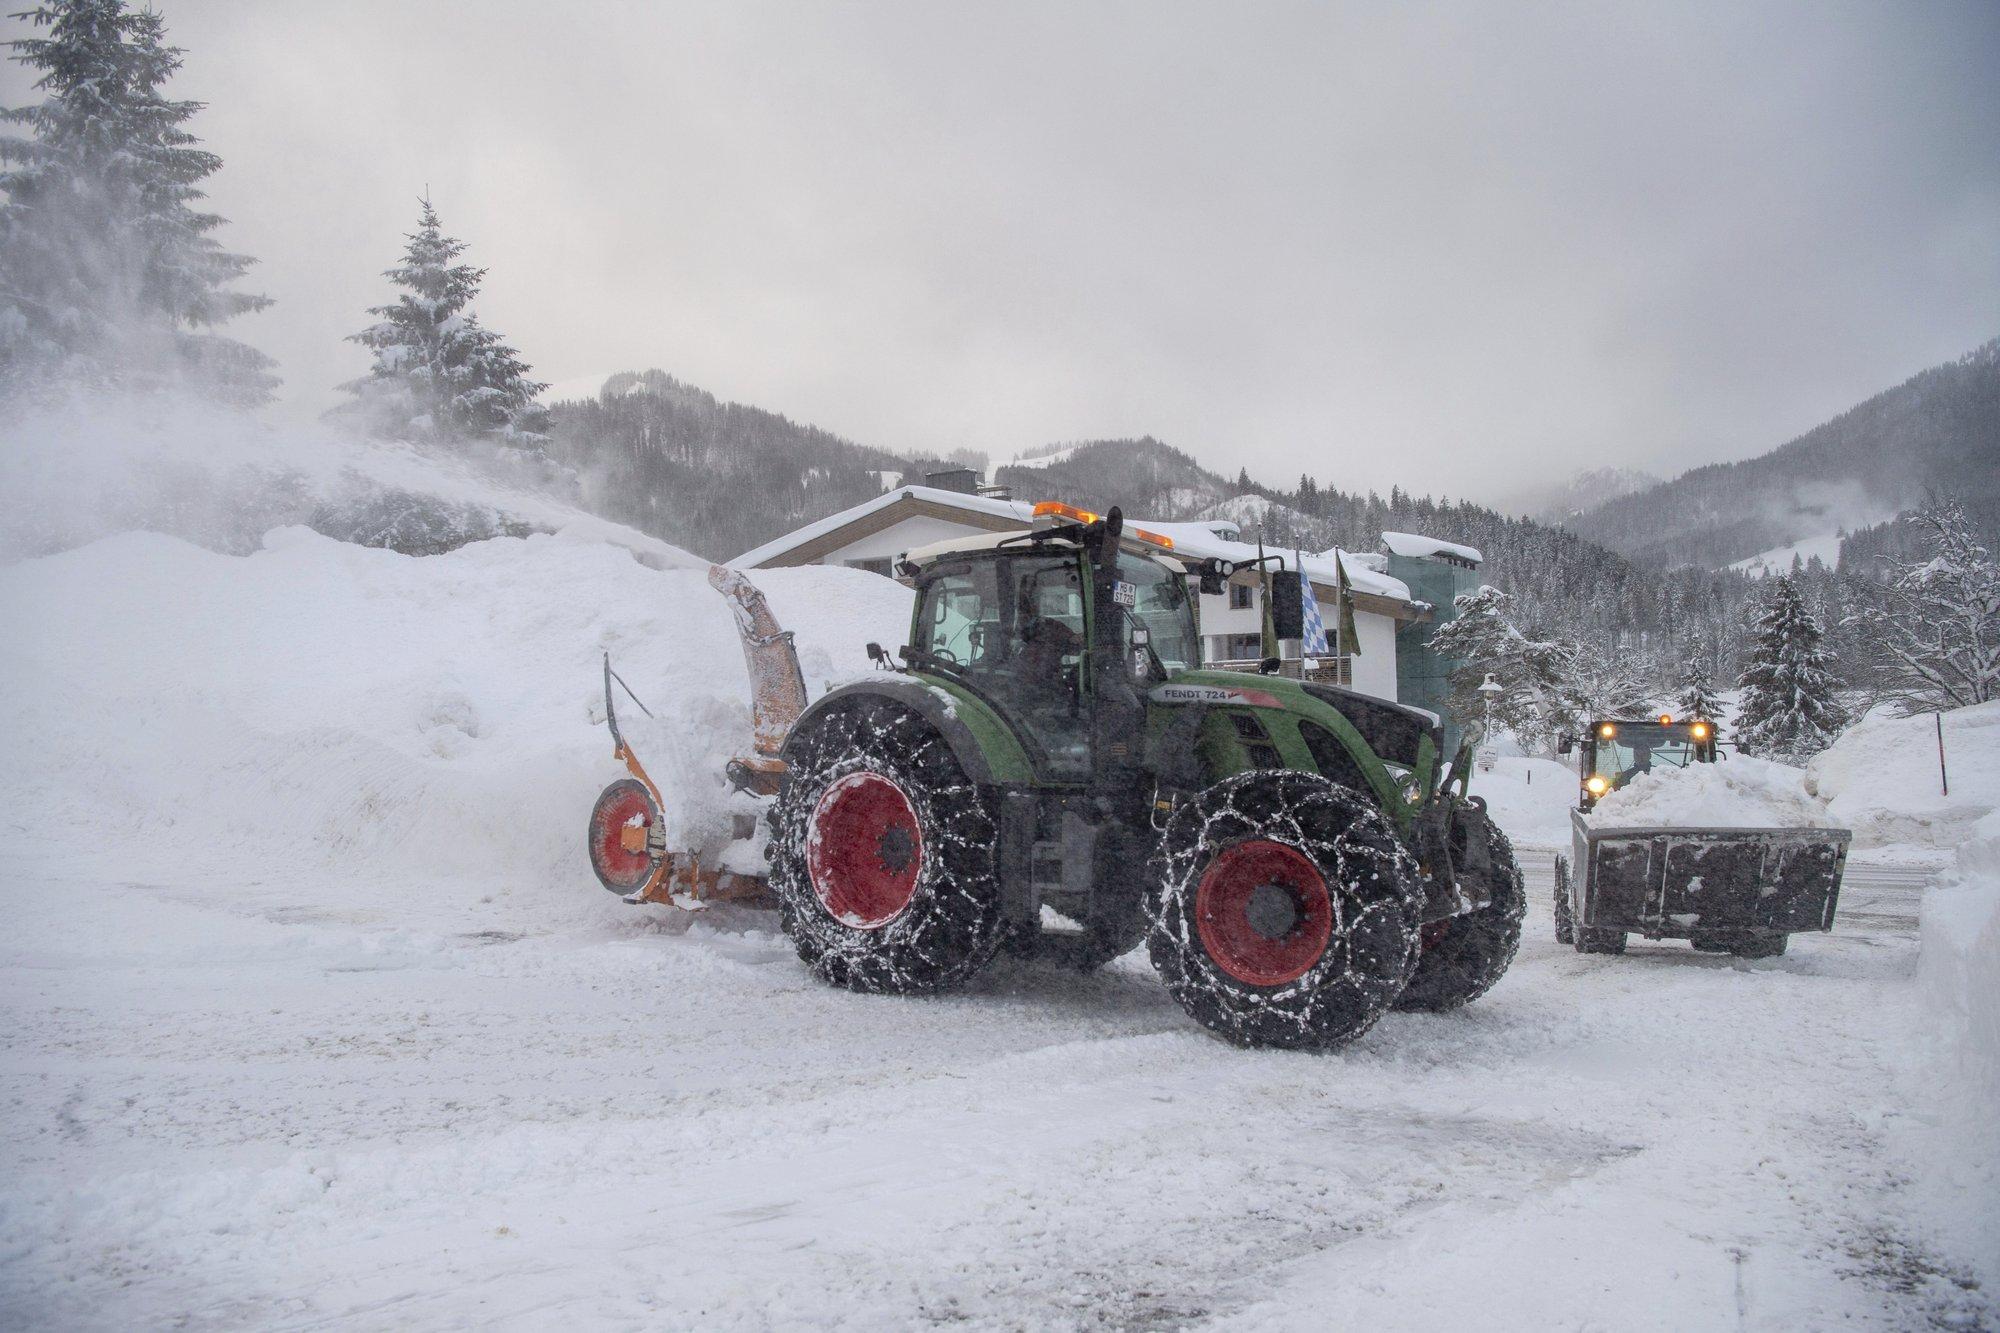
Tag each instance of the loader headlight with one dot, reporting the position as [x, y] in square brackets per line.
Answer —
[1596, 785]
[1699, 731]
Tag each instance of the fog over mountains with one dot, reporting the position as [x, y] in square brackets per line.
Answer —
[722, 477]
[1583, 492]
[1937, 431]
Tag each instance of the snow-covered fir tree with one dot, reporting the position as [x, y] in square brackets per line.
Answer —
[108, 271]
[1791, 707]
[438, 373]
[1697, 697]
[1932, 632]
[1539, 699]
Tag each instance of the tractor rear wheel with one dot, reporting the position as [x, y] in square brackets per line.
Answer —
[884, 854]
[1463, 956]
[1287, 912]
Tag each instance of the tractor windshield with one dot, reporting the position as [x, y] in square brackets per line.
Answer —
[1161, 607]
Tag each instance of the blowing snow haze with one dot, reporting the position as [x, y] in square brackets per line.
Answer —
[1428, 248]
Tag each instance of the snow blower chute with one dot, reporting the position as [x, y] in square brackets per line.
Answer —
[627, 838]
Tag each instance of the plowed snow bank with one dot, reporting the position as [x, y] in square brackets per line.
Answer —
[1959, 975]
[1881, 779]
[322, 705]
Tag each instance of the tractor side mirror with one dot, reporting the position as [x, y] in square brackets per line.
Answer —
[1288, 607]
[1565, 744]
[879, 657]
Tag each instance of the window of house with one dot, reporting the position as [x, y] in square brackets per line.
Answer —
[1240, 596]
[872, 566]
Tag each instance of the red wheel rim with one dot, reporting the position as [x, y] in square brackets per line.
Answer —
[617, 808]
[1263, 912]
[864, 850]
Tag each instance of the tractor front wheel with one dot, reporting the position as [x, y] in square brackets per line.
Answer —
[1287, 912]
[1463, 956]
[884, 854]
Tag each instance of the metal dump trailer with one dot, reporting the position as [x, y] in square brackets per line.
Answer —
[1728, 890]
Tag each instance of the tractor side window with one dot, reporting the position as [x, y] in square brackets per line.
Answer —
[960, 615]
[1052, 593]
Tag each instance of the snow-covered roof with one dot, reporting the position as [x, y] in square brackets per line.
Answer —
[986, 541]
[976, 504]
[1319, 568]
[1413, 545]
[1198, 540]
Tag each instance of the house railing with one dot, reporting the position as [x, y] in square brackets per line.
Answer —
[1324, 670]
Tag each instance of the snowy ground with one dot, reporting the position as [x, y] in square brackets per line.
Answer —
[286, 1101]
[314, 1015]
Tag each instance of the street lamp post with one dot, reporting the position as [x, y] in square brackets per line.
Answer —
[1490, 689]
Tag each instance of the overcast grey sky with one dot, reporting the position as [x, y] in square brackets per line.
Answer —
[1448, 246]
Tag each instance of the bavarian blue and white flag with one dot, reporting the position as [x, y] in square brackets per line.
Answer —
[1315, 644]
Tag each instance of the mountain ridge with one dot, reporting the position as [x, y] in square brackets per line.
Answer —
[1938, 430]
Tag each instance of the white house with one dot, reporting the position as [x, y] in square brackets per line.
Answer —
[874, 534]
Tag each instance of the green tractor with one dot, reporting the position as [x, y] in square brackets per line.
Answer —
[1046, 768]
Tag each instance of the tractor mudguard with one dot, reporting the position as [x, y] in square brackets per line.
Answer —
[983, 744]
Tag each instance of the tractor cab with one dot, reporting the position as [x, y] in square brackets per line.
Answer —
[1015, 619]
[1616, 750]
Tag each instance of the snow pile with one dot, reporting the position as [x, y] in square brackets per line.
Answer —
[1959, 979]
[1740, 792]
[319, 706]
[1881, 777]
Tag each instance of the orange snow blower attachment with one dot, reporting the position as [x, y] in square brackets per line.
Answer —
[627, 840]
[777, 688]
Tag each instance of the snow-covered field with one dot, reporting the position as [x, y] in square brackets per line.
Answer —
[315, 1015]
[1824, 548]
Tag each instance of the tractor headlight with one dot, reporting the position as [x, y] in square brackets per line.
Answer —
[1596, 785]
[1700, 730]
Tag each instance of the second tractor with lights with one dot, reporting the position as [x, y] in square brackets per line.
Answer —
[1741, 891]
